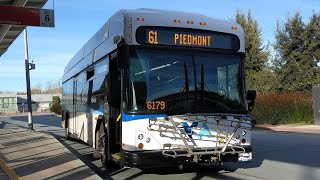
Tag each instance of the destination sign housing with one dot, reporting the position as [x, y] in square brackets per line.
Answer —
[187, 37]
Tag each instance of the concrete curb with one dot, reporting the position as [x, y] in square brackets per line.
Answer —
[301, 130]
[78, 161]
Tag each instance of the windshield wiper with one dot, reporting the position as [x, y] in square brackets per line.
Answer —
[186, 84]
[195, 84]
[202, 84]
[185, 87]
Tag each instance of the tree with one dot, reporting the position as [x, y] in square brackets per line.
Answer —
[298, 49]
[312, 37]
[56, 105]
[53, 87]
[256, 55]
[49, 87]
[37, 88]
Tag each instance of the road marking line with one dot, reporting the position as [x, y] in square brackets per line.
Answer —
[8, 170]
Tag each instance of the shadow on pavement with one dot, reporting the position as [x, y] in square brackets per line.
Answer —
[192, 172]
[84, 152]
[269, 147]
[45, 120]
[36, 155]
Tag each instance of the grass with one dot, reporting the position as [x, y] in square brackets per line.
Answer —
[283, 108]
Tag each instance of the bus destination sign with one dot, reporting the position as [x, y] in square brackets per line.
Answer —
[187, 37]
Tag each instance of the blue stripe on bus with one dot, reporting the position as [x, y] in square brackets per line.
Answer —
[97, 109]
[129, 117]
[96, 112]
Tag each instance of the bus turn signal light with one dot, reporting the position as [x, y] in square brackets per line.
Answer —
[190, 22]
[140, 19]
[140, 145]
[203, 23]
[176, 21]
[234, 27]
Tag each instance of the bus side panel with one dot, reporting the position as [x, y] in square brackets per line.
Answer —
[90, 127]
[81, 103]
[129, 136]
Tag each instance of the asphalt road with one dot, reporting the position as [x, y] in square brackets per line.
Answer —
[275, 156]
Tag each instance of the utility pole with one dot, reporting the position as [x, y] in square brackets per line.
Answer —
[27, 65]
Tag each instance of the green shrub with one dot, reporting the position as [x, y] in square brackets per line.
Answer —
[283, 108]
[56, 105]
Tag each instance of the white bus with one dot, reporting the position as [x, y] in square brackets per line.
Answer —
[155, 88]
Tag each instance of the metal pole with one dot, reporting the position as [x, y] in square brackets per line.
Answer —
[30, 122]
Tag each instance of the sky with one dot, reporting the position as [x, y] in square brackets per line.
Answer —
[77, 20]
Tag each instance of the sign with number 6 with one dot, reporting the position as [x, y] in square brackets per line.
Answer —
[26, 16]
[46, 18]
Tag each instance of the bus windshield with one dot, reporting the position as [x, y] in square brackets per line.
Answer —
[178, 82]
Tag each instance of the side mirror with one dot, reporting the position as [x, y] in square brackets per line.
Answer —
[253, 123]
[123, 56]
[251, 95]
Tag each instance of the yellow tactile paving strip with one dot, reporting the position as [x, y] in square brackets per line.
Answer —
[9, 171]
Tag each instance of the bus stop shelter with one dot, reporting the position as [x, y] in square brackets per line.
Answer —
[8, 33]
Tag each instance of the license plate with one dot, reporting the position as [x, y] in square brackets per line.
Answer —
[243, 157]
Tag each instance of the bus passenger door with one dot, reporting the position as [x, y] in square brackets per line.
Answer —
[114, 100]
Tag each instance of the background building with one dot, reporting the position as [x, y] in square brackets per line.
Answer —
[8, 103]
[13, 103]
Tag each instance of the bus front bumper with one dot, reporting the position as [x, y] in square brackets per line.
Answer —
[154, 159]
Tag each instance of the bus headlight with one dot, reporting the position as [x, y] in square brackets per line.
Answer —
[244, 133]
[140, 137]
[148, 140]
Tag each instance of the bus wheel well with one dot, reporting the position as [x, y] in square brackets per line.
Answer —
[99, 133]
[66, 116]
[99, 127]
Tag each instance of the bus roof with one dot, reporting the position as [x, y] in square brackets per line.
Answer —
[152, 17]
[166, 18]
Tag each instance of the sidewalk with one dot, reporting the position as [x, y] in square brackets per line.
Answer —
[297, 128]
[37, 155]
[3, 174]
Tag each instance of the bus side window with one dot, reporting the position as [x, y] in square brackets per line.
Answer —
[98, 90]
